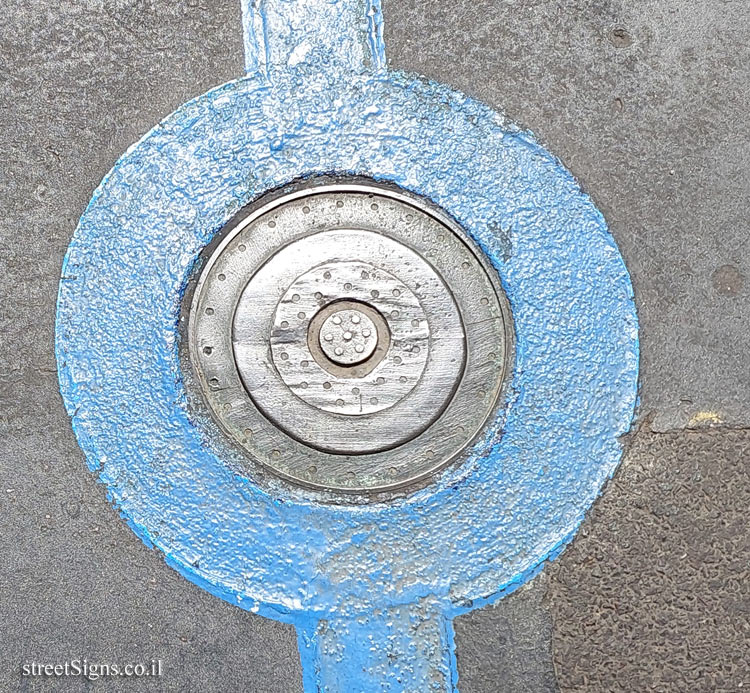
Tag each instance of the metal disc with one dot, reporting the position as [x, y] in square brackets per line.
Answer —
[349, 337]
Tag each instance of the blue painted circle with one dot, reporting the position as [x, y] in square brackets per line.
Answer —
[479, 529]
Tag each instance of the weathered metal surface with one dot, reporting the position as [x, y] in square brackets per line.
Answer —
[276, 279]
[368, 326]
[480, 528]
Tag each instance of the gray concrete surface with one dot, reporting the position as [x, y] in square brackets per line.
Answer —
[654, 595]
[646, 102]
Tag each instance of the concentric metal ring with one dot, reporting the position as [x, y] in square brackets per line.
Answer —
[381, 339]
[420, 393]
[416, 376]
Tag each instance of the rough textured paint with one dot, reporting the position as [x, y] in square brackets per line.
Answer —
[347, 575]
[404, 648]
[336, 36]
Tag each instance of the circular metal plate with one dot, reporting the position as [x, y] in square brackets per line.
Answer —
[349, 337]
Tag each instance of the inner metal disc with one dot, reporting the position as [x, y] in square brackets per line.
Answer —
[349, 337]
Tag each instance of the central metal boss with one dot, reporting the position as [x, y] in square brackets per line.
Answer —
[349, 337]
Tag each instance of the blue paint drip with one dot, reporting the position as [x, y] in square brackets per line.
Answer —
[375, 35]
[479, 531]
[255, 40]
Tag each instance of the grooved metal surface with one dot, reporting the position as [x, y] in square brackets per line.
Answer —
[274, 283]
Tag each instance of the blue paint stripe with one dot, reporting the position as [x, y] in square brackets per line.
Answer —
[405, 649]
[312, 37]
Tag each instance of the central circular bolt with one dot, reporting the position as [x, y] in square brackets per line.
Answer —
[348, 337]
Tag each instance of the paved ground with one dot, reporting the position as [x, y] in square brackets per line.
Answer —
[647, 103]
[655, 592]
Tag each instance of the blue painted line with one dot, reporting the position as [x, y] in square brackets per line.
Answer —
[318, 100]
[307, 39]
[403, 648]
